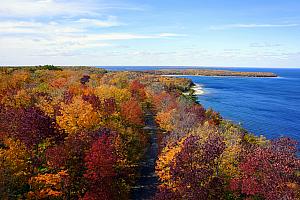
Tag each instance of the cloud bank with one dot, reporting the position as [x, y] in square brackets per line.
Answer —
[249, 26]
[61, 27]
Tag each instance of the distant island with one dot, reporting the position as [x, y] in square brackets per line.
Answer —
[210, 72]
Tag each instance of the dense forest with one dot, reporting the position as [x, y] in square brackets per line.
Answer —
[79, 133]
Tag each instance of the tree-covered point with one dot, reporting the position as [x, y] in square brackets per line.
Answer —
[210, 72]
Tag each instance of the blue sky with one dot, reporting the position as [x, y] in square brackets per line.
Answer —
[231, 33]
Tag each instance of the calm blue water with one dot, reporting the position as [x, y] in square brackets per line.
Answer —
[267, 106]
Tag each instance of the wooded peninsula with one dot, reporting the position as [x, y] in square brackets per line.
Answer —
[210, 72]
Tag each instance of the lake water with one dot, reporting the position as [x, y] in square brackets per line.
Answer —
[264, 106]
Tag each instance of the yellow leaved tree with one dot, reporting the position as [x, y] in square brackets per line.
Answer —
[48, 186]
[165, 160]
[107, 92]
[77, 116]
[231, 155]
[164, 120]
[14, 167]
[21, 99]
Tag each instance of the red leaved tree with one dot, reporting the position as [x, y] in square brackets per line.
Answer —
[137, 90]
[100, 173]
[195, 170]
[269, 172]
[29, 125]
[132, 112]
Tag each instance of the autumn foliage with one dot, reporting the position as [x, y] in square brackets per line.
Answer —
[132, 112]
[78, 133]
[100, 163]
[69, 133]
[206, 157]
[269, 172]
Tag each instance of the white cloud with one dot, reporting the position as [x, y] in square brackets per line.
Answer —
[66, 26]
[50, 8]
[129, 36]
[110, 22]
[35, 28]
[33, 8]
[53, 38]
[74, 29]
[233, 26]
[170, 35]
[265, 45]
[40, 29]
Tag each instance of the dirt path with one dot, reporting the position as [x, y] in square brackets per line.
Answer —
[146, 184]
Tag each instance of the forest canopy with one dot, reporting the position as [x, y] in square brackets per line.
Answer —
[78, 133]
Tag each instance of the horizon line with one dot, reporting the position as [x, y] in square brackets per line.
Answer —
[185, 66]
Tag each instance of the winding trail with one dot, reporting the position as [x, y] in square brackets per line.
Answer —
[146, 184]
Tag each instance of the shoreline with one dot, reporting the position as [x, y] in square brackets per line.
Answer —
[198, 89]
